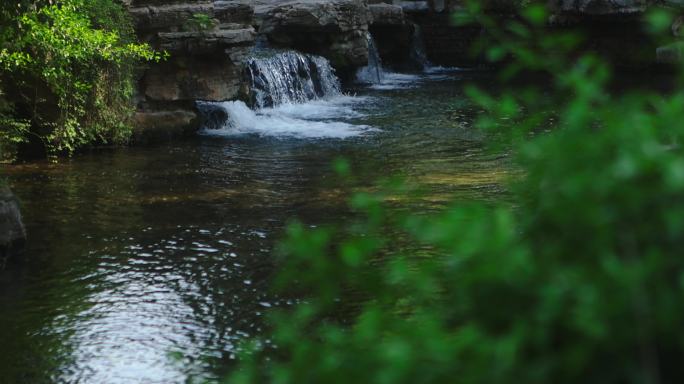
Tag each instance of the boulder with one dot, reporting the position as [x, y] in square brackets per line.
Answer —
[12, 231]
[334, 29]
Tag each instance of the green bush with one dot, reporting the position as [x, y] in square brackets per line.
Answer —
[577, 281]
[200, 22]
[67, 69]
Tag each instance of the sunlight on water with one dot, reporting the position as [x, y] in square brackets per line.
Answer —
[153, 264]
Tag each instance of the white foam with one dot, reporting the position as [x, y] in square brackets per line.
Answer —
[440, 69]
[306, 121]
[392, 81]
[340, 107]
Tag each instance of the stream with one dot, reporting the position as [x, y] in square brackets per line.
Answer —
[150, 265]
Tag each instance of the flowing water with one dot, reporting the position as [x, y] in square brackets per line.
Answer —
[373, 73]
[149, 265]
[418, 54]
[290, 77]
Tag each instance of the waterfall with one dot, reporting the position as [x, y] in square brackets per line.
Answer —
[290, 77]
[293, 95]
[373, 72]
[418, 54]
[312, 120]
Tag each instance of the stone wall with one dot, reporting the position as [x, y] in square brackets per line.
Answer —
[206, 59]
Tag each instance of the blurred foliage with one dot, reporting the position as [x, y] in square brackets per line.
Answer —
[578, 282]
[67, 72]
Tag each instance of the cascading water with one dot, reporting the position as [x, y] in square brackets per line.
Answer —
[290, 77]
[418, 54]
[373, 72]
[375, 76]
[293, 95]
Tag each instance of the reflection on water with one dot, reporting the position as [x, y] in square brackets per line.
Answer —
[150, 265]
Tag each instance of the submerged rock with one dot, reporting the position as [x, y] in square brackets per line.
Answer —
[12, 231]
[156, 126]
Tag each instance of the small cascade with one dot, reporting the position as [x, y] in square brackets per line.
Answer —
[293, 95]
[313, 120]
[373, 72]
[418, 54]
[290, 77]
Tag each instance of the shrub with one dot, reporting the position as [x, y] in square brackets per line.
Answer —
[578, 281]
[67, 68]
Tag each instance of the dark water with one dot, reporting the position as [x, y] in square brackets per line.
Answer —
[149, 265]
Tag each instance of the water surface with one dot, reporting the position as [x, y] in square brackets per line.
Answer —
[149, 265]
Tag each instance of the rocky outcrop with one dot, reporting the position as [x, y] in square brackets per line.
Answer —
[334, 29]
[12, 231]
[207, 43]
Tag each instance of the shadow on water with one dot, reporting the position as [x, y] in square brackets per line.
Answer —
[151, 264]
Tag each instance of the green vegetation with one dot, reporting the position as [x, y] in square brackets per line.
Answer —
[200, 22]
[66, 73]
[578, 281]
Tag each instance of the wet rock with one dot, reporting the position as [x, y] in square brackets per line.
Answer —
[12, 231]
[213, 115]
[334, 29]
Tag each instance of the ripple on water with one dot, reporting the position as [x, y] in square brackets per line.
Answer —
[153, 262]
[145, 304]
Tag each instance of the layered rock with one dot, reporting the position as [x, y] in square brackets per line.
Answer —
[207, 43]
[334, 29]
[387, 14]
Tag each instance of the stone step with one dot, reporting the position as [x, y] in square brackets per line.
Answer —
[176, 17]
[204, 42]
